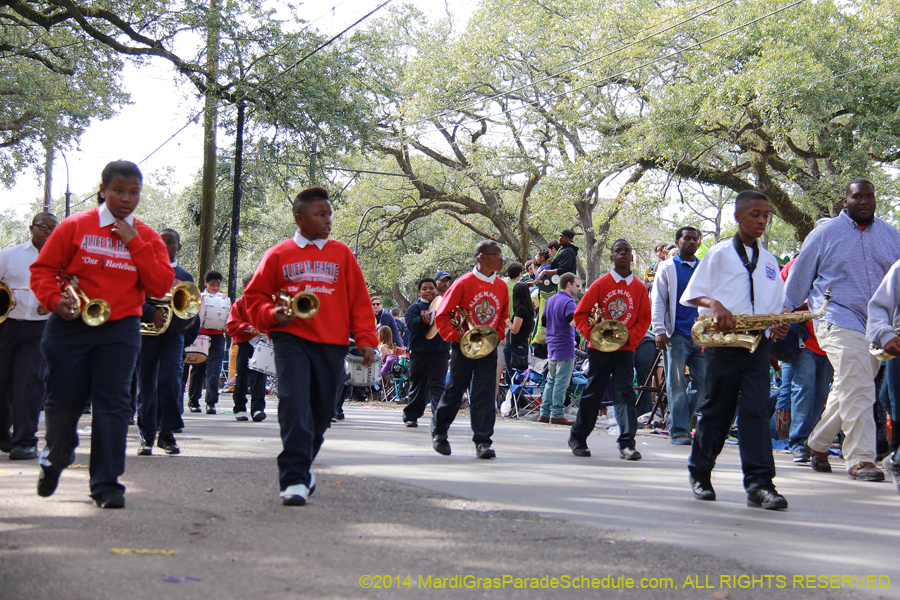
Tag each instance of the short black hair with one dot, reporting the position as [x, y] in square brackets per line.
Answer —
[748, 196]
[245, 280]
[41, 215]
[544, 254]
[425, 280]
[125, 168]
[212, 275]
[177, 235]
[483, 245]
[566, 279]
[514, 269]
[308, 196]
[859, 181]
[553, 244]
[680, 233]
[618, 241]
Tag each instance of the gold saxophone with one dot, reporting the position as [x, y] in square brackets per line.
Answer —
[748, 332]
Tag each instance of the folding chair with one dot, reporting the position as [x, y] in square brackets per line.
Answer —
[656, 384]
[525, 392]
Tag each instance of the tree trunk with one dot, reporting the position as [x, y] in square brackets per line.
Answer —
[236, 203]
[208, 194]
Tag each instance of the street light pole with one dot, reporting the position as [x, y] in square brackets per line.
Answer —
[68, 193]
[387, 207]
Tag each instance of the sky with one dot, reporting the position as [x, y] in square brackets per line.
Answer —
[162, 104]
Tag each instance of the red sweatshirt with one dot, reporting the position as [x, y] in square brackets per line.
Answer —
[107, 269]
[332, 274]
[487, 303]
[620, 301]
[238, 322]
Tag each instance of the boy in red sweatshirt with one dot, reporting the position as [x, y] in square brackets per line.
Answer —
[485, 298]
[246, 336]
[621, 297]
[309, 353]
[118, 259]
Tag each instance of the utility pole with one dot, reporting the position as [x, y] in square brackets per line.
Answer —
[236, 202]
[48, 175]
[208, 194]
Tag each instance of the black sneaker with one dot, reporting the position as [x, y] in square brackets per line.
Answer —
[410, 423]
[767, 498]
[484, 451]
[702, 490]
[194, 408]
[146, 448]
[110, 499]
[440, 444]
[210, 409]
[47, 481]
[892, 466]
[579, 448]
[259, 416]
[166, 441]
[23, 453]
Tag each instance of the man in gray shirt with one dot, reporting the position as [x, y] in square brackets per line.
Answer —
[849, 256]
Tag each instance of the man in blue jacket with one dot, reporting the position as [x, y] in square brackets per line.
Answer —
[428, 355]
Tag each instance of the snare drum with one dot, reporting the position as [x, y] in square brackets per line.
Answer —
[263, 359]
[197, 352]
[214, 312]
[361, 376]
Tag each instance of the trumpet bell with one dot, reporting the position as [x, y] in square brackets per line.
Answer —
[185, 300]
[433, 307]
[478, 342]
[305, 305]
[7, 300]
[96, 312]
[609, 336]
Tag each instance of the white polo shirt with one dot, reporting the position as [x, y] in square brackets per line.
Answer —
[15, 269]
[722, 276]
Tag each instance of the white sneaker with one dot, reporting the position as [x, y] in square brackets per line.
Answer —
[296, 495]
[241, 416]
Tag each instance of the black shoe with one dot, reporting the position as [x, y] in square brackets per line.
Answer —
[110, 499]
[579, 448]
[210, 409]
[166, 441]
[339, 416]
[6, 444]
[47, 481]
[629, 454]
[293, 501]
[440, 444]
[702, 491]
[767, 498]
[146, 448]
[484, 451]
[892, 466]
[194, 408]
[410, 423]
[23, 453]
[179, 430]
[259, 416]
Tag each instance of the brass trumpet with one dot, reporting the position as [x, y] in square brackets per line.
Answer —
[93, 312]
[183, 301]
[607, 335]
[303, 305]
[748, 332]
[7, 300]
[474, 342]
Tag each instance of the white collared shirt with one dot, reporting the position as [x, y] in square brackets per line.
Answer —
[619, 279]
[721, 275]
[484, 277]
[301, 241]
[174, 263]
[107, 218]
[15, 270]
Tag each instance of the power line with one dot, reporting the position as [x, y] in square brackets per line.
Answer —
[620, 73]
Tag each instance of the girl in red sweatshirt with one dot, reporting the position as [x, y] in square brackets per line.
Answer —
[309, 353]
[621, 297]
[118, 259]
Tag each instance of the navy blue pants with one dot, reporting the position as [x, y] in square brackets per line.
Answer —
[245, 376]
[160, 389]
[620, 365]
[482, 374]
[21, 381]
[207, 374]
[735, 380]
[93, 364]
[427, 371]
[308, 376]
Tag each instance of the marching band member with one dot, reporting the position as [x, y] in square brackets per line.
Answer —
[159, 368]
[737, 276]
[485, 299]
[244, 334]
[621, 297]
[427, 356]
[118, 259]
[206, 374]
[309, 354]
[21, 362]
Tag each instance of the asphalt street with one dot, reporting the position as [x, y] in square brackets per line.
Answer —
[389, 511]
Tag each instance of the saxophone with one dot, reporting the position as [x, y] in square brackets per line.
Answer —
[879, 353]
[748, 332]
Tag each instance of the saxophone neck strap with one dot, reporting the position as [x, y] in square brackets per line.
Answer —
[749, 264]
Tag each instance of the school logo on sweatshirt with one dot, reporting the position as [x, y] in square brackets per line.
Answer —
[484, 312]
[95, 244]
[617, 308]
[311, 270]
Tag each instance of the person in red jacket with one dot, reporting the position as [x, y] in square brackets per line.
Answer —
[245, 335]
[485, 299]
[309, 353]
[621, 297]
[118, 259]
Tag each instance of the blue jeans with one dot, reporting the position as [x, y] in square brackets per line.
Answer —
[781, 398]
[684, 402]
[559, 374]
[812, 375]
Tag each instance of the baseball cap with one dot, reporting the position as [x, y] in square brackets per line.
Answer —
[441, 275]
[568, 233]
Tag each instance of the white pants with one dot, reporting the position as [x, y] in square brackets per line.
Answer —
[849, 405]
